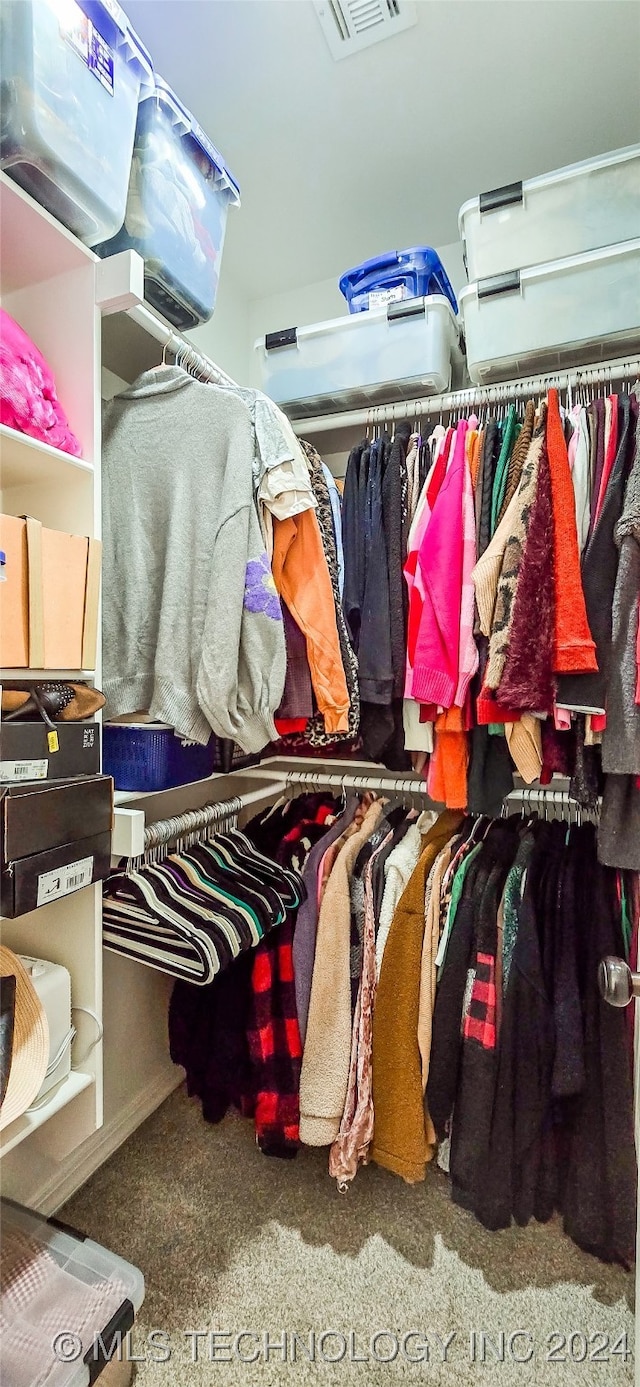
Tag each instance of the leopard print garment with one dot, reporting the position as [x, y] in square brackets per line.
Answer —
[315, 733]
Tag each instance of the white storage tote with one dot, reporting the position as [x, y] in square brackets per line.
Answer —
[180, 191]
[582, 207]
[582, 309]
[363, 358]
[71, 78]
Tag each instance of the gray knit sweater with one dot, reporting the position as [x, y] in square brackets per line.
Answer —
[191, 618]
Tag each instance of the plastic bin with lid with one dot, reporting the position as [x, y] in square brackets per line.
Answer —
[584, 308]
[72, 73]
[180, 190]
[55, 1281]
[575, 209]
[363, 358]
[398, 275]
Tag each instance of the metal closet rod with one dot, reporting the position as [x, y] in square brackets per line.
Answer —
[181, 825]
[472, 398]
[179, 347]
[528, 797]
[193, 820]
[352, 781]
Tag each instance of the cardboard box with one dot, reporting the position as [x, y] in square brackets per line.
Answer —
[26, 754]
[54, 840]
[14, 593]
[49, 600]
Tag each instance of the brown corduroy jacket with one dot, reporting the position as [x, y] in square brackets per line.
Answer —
[403, 1134]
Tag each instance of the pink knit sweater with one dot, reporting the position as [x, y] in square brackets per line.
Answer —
[442, 567]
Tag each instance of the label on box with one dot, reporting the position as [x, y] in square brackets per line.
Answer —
[52, 741]
[379, 298]
[24, 770]
[52, 885]
[78, 31]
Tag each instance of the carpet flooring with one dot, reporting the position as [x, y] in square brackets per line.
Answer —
[231, 1241]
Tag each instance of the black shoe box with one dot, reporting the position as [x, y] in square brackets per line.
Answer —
[54, 839]
[26, 751]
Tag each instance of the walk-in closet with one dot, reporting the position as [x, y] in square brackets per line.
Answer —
[320, 677]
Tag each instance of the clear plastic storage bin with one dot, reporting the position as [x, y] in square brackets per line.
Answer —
[582, 207]
[582, 309]
[180, 190]
[71, 78]
[364, 358]
[60, 1287]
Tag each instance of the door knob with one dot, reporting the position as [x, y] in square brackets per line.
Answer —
[618, 985]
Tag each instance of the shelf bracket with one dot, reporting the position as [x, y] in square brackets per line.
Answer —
[128, 833]
[120, 282]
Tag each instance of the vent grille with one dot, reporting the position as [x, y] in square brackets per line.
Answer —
[351, 25]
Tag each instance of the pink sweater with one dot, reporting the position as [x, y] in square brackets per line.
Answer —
[468, 659]
[442, 564]
[28, 399]
[412, 572]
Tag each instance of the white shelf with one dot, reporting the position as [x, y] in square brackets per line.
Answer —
[48, 282]
[25, 461]
[23, 1126]
[132, 796]
[35, 247]
[73, 676]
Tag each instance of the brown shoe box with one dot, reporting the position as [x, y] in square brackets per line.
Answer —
[25, 751]
[54, 839]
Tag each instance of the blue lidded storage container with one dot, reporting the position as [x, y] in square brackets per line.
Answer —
[400, 274]
[180, 190]
[72, 75]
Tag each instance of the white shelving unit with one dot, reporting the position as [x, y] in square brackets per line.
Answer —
[48, 283]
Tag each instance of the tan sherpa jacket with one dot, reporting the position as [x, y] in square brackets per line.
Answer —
[327, 1050]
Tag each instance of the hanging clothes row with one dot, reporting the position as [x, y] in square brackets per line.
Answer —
[492, 578]
[435, 996]
[470, 607]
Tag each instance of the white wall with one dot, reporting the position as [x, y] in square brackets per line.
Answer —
[225, 338]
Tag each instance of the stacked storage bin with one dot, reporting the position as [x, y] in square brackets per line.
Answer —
[71, 78]
[367, 358]
[402, 337]
[555, 265]
[398, 275]
[180, 191]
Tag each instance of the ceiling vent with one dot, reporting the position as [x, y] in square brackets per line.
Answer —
[351, 25]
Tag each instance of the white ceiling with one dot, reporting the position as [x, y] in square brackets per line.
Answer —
[339, 161]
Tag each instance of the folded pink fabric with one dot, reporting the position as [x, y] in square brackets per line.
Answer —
[28, 398]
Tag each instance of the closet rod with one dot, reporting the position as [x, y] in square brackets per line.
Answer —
[540, 794]
[177, 345]
[402, 785]
[181, 825]
[472, 398]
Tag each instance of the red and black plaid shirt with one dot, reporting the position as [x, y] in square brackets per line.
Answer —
[275, 1045]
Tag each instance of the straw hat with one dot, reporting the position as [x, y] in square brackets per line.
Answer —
[30, 1052]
